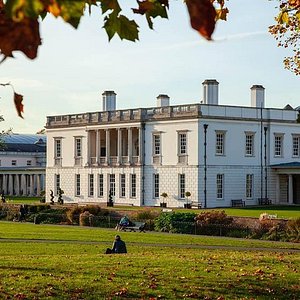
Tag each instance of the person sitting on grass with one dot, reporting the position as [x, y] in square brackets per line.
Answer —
[119, 246]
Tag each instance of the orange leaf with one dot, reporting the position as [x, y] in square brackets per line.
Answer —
[23, 35]
[202, 16]
[18, 103]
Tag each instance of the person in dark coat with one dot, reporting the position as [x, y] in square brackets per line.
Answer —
[119, 246]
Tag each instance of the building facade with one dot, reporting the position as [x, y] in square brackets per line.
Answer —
[216, 152]
[23, 164]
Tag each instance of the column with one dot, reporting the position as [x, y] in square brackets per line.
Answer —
[129, 145]
[17, 185]
[290, 200]
[10, 185]
[31, 191]
[141, 148]
[38, 184]
[277, 189]
[88, 148]
[107, 136]
[23, 185]
[97, 146]
[4, 184]
[119, 146]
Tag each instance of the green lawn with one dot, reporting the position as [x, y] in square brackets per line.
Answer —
[158, 266]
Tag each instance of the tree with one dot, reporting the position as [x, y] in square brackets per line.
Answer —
[20, 20]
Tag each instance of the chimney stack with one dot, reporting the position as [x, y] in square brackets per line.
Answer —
[109, 101]
[257, 96]
[162, 100]
[210, 91]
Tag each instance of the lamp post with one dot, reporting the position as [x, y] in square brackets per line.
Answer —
[205, 161]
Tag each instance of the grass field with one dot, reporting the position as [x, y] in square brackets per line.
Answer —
[61, 262]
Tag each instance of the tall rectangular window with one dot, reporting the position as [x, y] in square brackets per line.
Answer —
[156, 144]
[132, 185]
[91, 185]
[220, 186]
[249, 144]
[249, 186]
[296, 146]
[278, 145]
[77, 190]
[181, 186]
[57, 183]
[78, 147]
[122, 185]
[182, 143]
[57, 148]
[156, 185]
[112, 184]
[100, 185]
[220, 143]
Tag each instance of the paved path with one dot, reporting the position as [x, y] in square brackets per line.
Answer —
[188, 246]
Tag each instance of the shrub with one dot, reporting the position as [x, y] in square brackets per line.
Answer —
[293, 230]
[213, 217]
[175, 222]
[85, 219]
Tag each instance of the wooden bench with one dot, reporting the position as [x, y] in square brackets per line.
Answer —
[196, 204]
[264, 201]
[237, 203]
[137, 226]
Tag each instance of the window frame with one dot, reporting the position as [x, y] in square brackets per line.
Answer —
[156, 193]
[77, 147]
[100, 185]
[57, 147]
[91, 187]
[220, 187]
[249, 186]
[156, 144]
[276, 137]
[295, 137]
[249, 147]
[77, 185]
[182, 141]
[14, 162]
[220, 143]
[133, 185]
[57, 183]
[181, 186]
[122, 185]
[112, 184]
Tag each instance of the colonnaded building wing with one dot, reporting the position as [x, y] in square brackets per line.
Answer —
[22, 164]
[217, 153]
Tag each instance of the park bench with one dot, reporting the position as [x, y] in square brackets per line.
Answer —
[136, 226]
[196, 204]
[264, 201]
[237, 202]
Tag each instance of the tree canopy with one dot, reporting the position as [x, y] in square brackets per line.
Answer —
[20, 23]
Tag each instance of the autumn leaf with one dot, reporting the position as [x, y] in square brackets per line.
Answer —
[202, 16]
[18, 104]
[22, 35]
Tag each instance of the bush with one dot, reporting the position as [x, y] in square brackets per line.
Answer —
[213, 217]
[85, 219]
[175, 222]
[293, 230]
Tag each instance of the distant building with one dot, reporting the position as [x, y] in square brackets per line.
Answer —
[215, 152]
[23, 164]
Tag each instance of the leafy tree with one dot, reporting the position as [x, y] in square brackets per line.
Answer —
[20, 20]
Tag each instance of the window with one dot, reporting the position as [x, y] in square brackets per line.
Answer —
[278, 145]
[296, 146]
[156, 185]
[91, 185]
[249, 186]
[249, 144]
[101, 185]
[181, 186]
[28, 162]
[57, 183]
[122, 185]
[112, 184]
[220, 186]
[156, 144]
[77, 191]
[182, 143]
[78, 147]
[57, 148]
[220, 140]
[13, 162]
[133, 185]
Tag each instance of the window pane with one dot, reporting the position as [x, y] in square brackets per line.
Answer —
[156, 185]
[220, 143]
[182, 186]
[91, 185]
[133, 185]
[77, 184]
[101, 185]
[182, 143]
[249, 144]
[219, 184]
[123, 185]
[249, 185]
[112, 184]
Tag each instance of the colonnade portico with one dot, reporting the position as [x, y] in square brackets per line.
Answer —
[24, 184]
[115, 146]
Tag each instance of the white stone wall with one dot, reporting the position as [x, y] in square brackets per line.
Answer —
[6, 159]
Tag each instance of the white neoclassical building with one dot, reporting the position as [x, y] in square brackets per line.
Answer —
[23, 164]
[216, 152]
